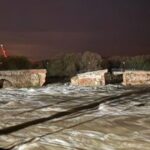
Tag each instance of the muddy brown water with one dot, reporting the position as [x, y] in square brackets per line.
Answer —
[63, 117]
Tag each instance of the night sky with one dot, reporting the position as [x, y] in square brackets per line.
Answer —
[41, 29]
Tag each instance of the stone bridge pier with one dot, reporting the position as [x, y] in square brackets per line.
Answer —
[22, 78]
[94, 78]
[136, 78]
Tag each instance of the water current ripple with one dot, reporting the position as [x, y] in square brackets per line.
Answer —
[66, 117]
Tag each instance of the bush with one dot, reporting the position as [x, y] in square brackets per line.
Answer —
[91, 61]
[15, 63]
[71, 64]
[55, 67]
[138, 63]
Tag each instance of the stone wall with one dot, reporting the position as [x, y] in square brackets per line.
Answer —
[22, 78]
[136, 78]
[95, 78]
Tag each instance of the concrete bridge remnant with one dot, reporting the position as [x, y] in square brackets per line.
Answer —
[94, 78]
[136, 78]
[22, 78]
[102, 77]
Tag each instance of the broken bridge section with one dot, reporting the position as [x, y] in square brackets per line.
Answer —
[136, 78]
[94, 78]
[22, 78]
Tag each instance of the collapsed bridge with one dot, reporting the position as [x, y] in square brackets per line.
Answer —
[22, 78]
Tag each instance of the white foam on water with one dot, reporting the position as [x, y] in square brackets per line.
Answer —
[127, 106]
[85, 136]
[55, 90]
[28, 146]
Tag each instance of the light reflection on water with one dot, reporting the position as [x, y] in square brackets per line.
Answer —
[120, 124]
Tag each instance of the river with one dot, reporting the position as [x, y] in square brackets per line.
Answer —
[64, 117]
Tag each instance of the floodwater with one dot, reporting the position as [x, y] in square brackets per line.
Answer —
[64, 117]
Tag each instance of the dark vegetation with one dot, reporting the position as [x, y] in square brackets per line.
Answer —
[15, 63]
[63, 67]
